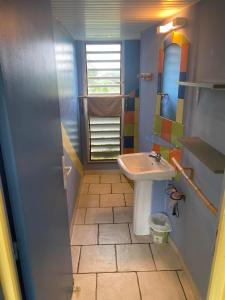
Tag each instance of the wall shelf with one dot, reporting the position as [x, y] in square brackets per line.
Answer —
[208, 155]
[206, 85]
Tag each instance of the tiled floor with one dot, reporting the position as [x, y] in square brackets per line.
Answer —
[109, 261]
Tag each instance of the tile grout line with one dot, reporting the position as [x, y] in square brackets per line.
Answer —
[152, 256]
[98, 236]
[131, 241]
[122, 244]
[78, 265]
[113, 215]
[138, 285]
[109, 224]
[96, 286]
[85, 215]
[127, 271]
[181, 285]
[116, 259]
[124, 199]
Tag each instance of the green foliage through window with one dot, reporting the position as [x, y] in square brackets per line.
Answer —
[103, 69]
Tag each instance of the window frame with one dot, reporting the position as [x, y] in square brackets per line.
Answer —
[120, 69]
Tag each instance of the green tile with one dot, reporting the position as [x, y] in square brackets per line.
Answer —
[128, 130]
[177, 177]
[176, 132]
[157, 125]
[165, 152]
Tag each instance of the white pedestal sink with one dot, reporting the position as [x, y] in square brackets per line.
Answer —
[144, 169]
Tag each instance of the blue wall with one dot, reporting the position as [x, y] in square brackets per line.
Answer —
[66, 63]
[194, 232]
[30, 136]
[131, 50]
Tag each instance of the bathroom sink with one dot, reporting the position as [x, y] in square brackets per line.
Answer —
[139, 166]
[144, 170]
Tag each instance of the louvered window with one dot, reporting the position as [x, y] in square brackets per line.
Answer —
[104, 78]
[103, 69]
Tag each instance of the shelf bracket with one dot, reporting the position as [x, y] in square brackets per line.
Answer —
[197, 95]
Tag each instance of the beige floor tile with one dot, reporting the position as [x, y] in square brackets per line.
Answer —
[160, 286]
[99, 215]
[86, 283]
[124, 178]
[99, 188]
[129, 199]
[91, 179]
[84, 188]
[165, 257]
[123, 214]
[119, 188]
[85, 235]
[134, 257]
[99, 258]
[111, 200]
[111, 178]
[89, 201]
[75, 253]
[80, 215]
[117, 286]
[114, 234]
[187, 286]
[139, 239]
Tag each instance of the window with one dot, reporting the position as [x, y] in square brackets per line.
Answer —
[103, 69]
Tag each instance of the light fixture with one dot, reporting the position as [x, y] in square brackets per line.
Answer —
[172, 25]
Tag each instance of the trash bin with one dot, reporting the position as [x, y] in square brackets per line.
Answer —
[160, 228]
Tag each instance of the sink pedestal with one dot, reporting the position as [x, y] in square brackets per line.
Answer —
[142, 207]
[144, 169]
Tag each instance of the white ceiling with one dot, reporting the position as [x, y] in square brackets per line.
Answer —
[113, 19]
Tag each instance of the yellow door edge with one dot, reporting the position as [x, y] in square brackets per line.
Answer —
[8, 273]
[216, 290]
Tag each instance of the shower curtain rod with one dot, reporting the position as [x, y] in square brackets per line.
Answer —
[104, 96]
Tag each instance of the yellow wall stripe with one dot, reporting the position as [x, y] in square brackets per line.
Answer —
[179, 113]
[216, 289]
[136, 122]
[71, 151]
[8, 273]
[158, 104]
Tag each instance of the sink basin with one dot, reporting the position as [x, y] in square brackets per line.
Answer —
[144, 170]
[139, 166]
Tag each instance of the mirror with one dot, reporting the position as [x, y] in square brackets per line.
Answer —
[170, 78]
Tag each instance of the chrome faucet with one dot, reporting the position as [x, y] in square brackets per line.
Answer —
[156, 156]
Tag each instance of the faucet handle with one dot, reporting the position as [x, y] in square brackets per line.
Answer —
[155, 155]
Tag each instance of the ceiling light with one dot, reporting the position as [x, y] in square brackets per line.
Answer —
[172, 25]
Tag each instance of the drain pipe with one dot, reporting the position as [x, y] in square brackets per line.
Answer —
[197, 190]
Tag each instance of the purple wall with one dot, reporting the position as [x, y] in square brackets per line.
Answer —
[194, 231]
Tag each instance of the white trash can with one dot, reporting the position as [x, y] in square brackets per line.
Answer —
[160, 228]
